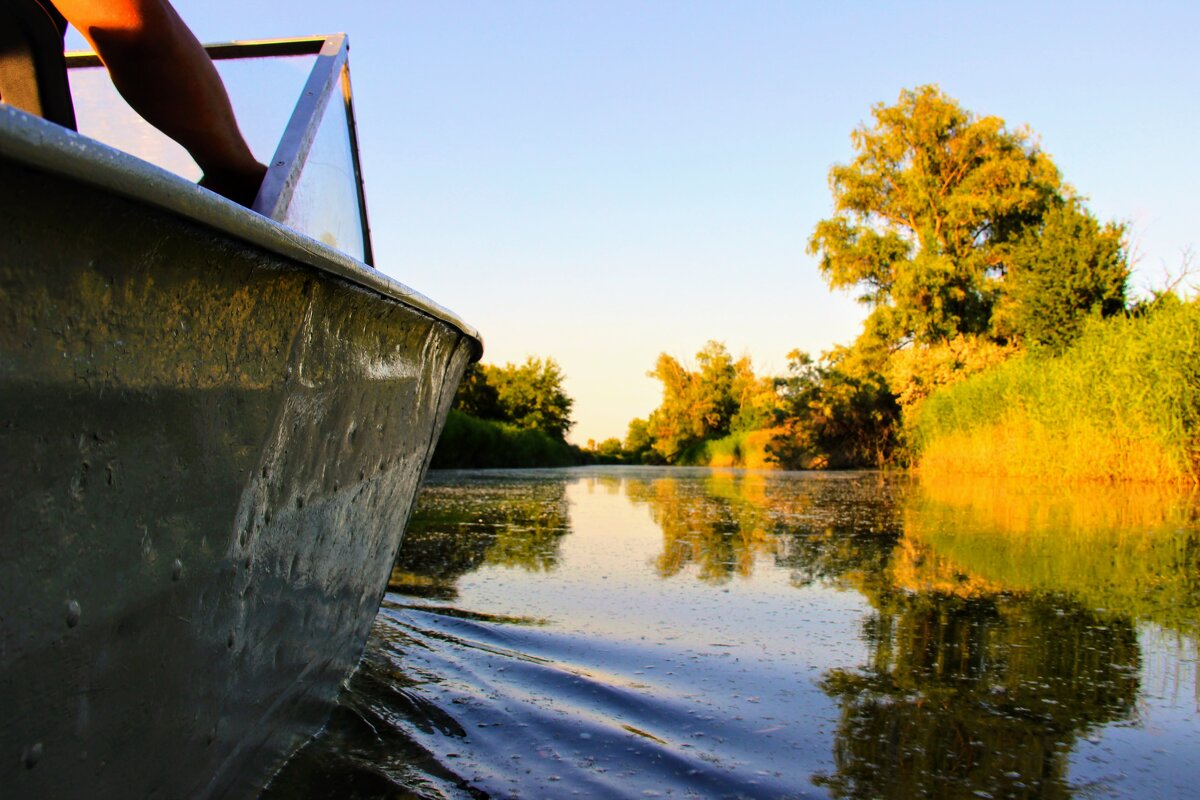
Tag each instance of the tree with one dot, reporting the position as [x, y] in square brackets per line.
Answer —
[925, 212]
[531, 395]
[696, 404]
[1062, 270]
[840, 412]
[757, 399]
[477, 397]
[609, 450]
[639, 443]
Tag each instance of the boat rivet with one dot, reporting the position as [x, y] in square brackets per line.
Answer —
[73, 613]
[32, 755]
[176, 569]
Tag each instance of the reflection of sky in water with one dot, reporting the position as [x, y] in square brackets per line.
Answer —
[606, 584]
[624, 633]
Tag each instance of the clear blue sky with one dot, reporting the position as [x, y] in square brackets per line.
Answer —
[600, 182]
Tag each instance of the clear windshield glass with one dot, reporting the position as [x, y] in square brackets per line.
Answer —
[102, 114]
[325, 204]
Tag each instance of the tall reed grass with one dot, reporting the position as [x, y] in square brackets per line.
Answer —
[1122, 403]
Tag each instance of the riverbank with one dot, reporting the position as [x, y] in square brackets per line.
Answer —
[1121, 404]
[468, 442]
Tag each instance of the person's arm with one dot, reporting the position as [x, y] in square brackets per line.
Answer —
[162, 71]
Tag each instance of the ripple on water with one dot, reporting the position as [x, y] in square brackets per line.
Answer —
[633, 633]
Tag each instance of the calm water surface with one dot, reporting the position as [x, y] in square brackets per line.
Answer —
[635, 632]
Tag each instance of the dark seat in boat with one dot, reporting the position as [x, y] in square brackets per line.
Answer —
[33, 71]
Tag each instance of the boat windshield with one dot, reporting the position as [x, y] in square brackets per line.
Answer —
[293, 103]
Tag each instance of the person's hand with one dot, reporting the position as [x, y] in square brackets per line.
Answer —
[240, 187]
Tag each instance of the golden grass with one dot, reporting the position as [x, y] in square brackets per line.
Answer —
[1019, 448]
[1121, 404]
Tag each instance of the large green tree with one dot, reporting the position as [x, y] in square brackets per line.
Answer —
[925, 213]
[528, 395]
[532, 395]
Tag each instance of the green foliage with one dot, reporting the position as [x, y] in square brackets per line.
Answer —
[528, 396]
[610, 448]
[839, 411]
[835, 413]
[477, 397]
[924, 211]
[759, 405]
[1061, 271]
[532, 395]
[467, 441]
[639, 443]
[717, 398]
[696, 404]
[963, 239]
[914, 372]
[1122, 402]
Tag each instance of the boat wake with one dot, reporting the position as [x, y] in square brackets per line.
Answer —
[449, 703]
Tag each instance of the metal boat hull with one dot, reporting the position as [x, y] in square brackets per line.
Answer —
[210, 451]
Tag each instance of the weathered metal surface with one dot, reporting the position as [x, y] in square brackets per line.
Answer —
[210, 449]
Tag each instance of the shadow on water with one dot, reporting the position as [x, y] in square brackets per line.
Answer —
[845, 635]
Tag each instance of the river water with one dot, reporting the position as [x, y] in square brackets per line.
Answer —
[637, 632]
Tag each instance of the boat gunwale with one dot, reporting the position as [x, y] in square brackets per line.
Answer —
[43, 146]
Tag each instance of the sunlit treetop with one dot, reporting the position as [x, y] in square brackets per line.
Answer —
[924, 212]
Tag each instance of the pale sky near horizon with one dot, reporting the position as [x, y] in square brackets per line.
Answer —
[600, 182]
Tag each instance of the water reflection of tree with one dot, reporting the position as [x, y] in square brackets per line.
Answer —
[980, 681]
[721, 524]
[459, 528]
[821, 529]
[1132, 548]
[964, 695]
